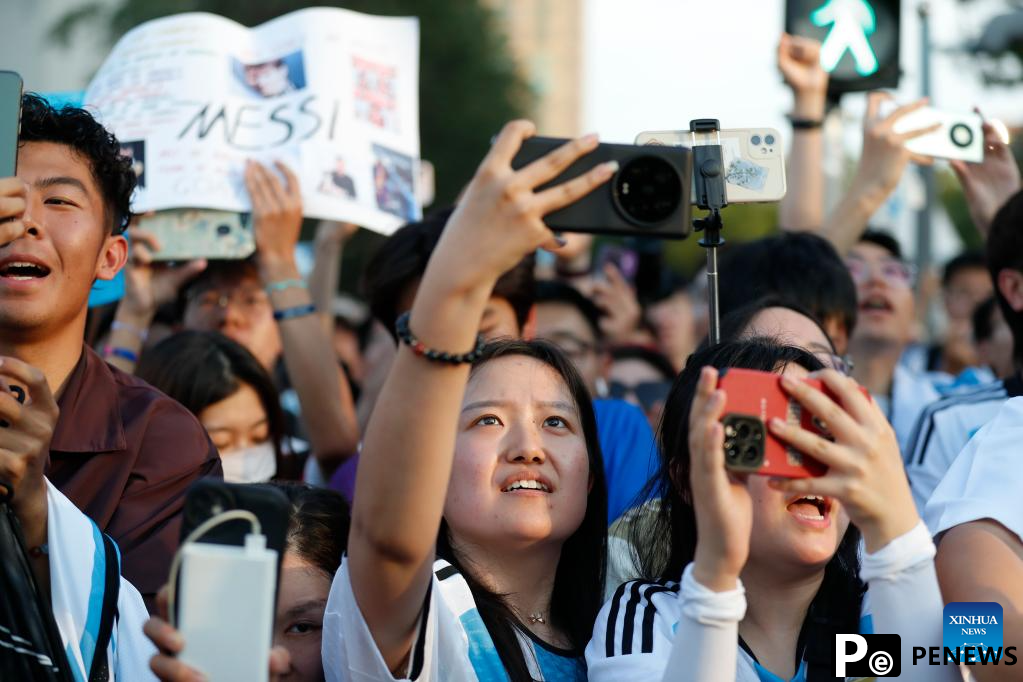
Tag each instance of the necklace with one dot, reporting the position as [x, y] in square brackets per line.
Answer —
[537, 618]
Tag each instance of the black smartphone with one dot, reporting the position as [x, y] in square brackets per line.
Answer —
[208, 497]
[10, 122]
[648, 196]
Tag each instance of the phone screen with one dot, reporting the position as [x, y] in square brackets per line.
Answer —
[10, 119]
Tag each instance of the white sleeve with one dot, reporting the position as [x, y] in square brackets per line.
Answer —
[906, 601]
[647, 632]
[132, 649]
[350, 653]
[705, 647]
[928, 467]
[985, 480]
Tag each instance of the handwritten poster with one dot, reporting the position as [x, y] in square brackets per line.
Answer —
[330, 92]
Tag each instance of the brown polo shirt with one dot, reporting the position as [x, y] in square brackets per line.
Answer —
[125, 454]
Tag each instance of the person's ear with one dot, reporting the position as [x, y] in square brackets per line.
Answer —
[1010, 285]
[529, 326]
[112, 257]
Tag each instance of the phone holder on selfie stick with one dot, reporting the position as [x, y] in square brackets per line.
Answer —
[709, 184]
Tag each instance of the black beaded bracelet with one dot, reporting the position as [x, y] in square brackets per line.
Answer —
[408, 338]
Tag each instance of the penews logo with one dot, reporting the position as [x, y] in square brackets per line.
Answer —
[868, 655]
[973, 627]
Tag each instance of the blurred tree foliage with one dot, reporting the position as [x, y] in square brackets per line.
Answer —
[469, 85]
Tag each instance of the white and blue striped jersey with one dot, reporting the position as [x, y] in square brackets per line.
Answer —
[452, 645]
[944, 429]
[635, 633]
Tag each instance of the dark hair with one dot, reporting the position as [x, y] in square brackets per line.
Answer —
[579, 579]
[799, 267]
[734, 325]
[654, 358]
[218, 272]
[983, 324]
[401, 260]
[668, 543]
[318, 525]
[967, 260]
[1005, 252]
[200, 368]
[554, 291]
[883, 239]
[78, 129]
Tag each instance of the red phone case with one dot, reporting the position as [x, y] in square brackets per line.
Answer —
[759, 395]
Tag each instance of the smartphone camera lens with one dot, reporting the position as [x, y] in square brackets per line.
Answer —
[755, 140]
[769, 140]
[750, 454]
[961, 135]
[743, 431]
[223, 230]
[647, 190]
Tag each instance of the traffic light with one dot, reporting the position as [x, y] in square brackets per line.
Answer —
[859, 40]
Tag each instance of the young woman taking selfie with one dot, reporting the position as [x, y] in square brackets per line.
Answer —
[750, 578]
[478, 532]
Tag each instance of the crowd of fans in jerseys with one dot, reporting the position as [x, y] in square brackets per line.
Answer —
[504, 458]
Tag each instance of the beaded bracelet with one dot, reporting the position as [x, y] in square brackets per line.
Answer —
[285, 284]
[408, 338]
[296, 311]
[123, 353]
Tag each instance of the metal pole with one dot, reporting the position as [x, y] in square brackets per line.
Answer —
[714, 332]
[923, 218]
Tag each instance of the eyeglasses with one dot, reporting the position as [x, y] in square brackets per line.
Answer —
[571, 345]
[248, 300]
[648, 393]
[840, 363]
[891, 270]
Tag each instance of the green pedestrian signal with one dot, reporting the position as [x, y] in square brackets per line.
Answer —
[859, 40]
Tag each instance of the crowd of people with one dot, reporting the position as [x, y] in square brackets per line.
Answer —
[509, 467]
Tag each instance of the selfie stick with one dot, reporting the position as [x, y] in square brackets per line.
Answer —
[709, 182]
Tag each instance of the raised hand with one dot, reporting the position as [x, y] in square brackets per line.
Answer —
[799, 60]
[500, 218]
[149, 284]
[13, 198]
[617, 300]
[990, 183]
[865, 469]
[885, 157]
[724, 509]
[25, 431]
[276, 211]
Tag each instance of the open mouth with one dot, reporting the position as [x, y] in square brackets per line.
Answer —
[876, 304]
[524, 484]
[812, 508]
[23, 270]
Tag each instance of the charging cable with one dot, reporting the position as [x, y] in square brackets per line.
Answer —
[206, 526]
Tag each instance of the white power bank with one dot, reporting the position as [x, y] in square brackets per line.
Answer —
[226, 609]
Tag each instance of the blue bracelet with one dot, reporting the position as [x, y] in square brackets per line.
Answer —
[297, 311]
[285, 284]
[123, 353]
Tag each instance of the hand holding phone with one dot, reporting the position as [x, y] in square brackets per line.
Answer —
[721, 499]
[938, 134]
[865, 468]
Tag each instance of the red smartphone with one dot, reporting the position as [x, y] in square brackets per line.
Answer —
[752, 399]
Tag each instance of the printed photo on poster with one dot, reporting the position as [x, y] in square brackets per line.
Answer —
[271, 78]
[393, 184]
[135, 151]
[375, 93]
[337, 181]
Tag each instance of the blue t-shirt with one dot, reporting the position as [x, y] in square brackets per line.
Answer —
[630, 453]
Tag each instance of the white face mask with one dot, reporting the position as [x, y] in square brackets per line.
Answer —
[254, 464]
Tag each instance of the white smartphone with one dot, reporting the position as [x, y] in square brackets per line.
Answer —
[960, 135]
[754, 159]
